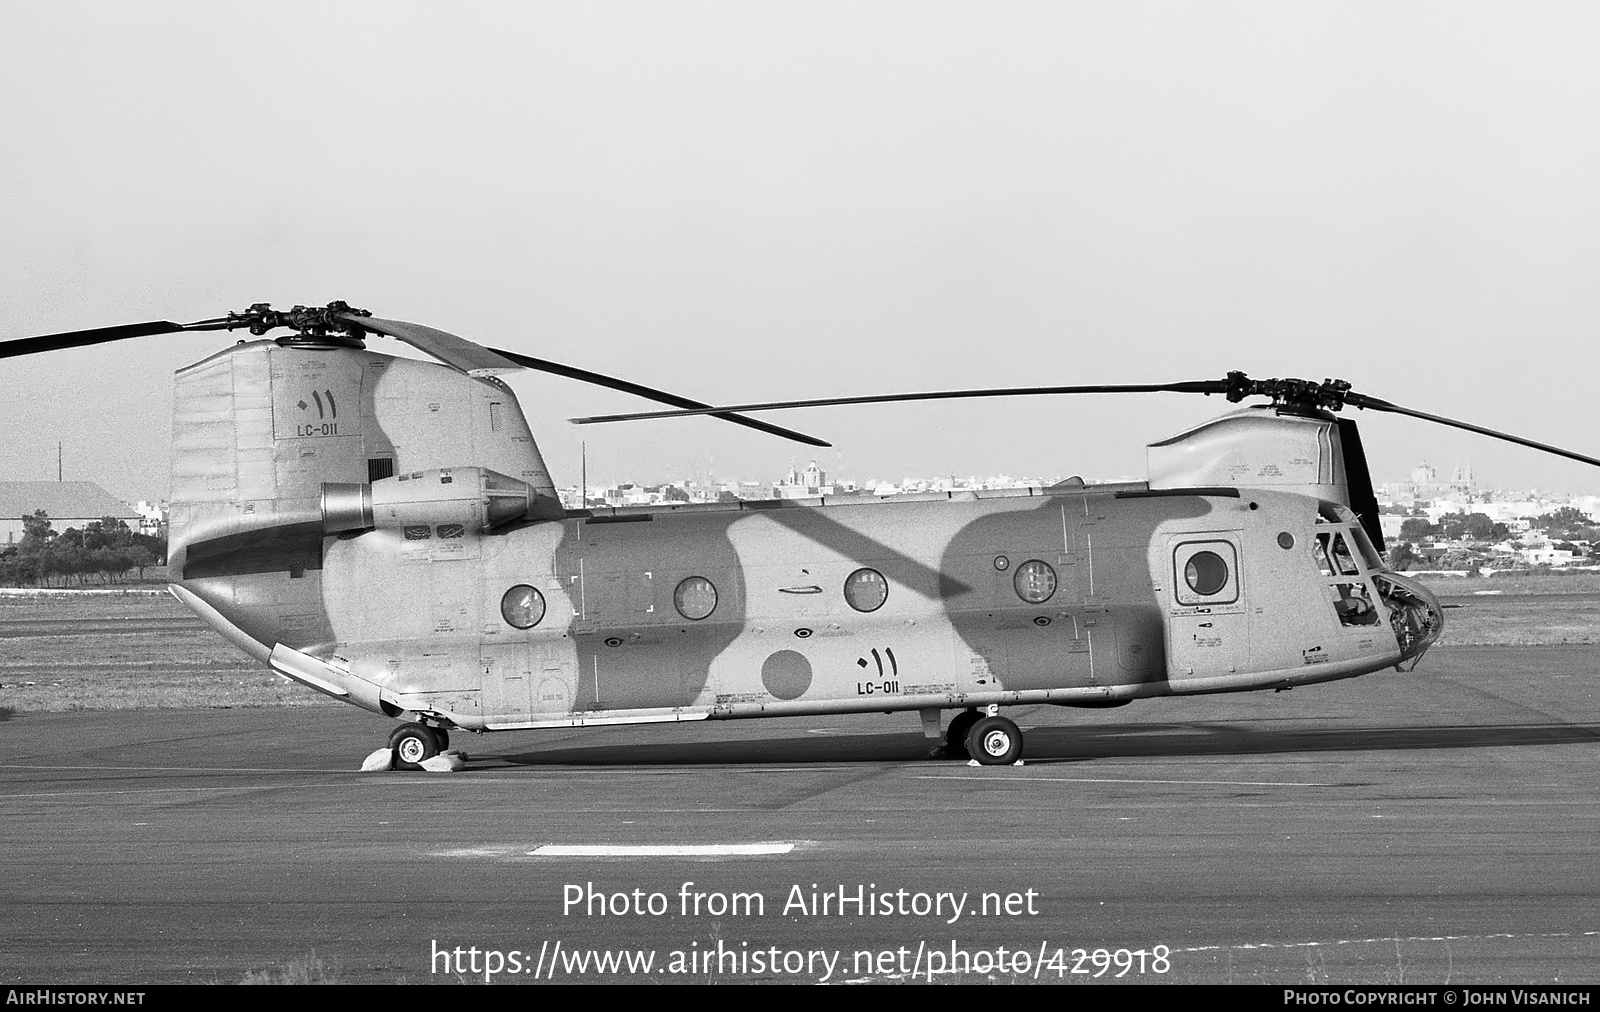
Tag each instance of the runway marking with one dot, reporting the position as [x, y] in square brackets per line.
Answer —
[178, 769]
[1116, 780]
[141, 790]
[1391, 939]
[661, 850]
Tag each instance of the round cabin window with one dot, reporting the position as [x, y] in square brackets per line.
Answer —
[1035, 581]
[866, 590]
[522, 607]
[695, 598]
[1206, 573]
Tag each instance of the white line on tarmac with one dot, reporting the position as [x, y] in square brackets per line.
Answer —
[661, 850]
[1390, 939]
[1116, 780]
[177, 769]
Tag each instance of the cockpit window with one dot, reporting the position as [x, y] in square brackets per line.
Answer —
[1333, 546]
[1354, 604]
[1369, 554]
[1333, 513]
[1319, 550]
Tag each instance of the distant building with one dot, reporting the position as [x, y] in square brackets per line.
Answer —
[1425, 484]
[152, 518]
[800, 484]
[67, 503]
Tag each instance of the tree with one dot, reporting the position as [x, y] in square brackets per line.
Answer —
[673, 493]
[1402, 557]
[1416, 529]
[1562, 519]
[36, 533]
[1470, 526]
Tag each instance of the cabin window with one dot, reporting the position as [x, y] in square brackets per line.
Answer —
[695, 598]
[1035, 581]
[522, 606]
[866, 590]
[451, 530]
[1206, 573]
[418, 532]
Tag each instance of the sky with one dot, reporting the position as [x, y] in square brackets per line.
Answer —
[751, 201]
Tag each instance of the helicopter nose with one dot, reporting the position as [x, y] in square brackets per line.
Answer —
[1414, 613]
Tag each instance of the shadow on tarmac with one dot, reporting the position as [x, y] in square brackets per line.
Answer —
[1064, 744]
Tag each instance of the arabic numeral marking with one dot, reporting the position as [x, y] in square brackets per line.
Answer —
[1161, 964]
[1079, 957]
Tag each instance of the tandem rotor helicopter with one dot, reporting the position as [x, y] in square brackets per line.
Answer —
[384, 530]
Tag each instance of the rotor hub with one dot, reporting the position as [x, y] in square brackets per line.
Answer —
[322, 326]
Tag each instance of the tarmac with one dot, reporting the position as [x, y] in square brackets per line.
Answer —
[1441, 825]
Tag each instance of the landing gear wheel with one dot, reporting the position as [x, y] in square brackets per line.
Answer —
[955, 736]
[412, 743]
[995, 741]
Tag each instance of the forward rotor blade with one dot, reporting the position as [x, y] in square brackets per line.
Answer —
[1189, 387]
[100, 335]
[690, 407]
[1377, 404]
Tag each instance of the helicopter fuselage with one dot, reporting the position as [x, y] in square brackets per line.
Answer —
[1091, 596]
[450, 588]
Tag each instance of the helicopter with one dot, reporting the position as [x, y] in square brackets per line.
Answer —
[384, 530]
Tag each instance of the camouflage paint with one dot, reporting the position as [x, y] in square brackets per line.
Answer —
[414, 626]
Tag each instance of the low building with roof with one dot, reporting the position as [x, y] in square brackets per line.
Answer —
[66, 503]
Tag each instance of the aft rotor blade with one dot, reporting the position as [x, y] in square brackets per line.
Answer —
[1377, 404]
[689, 407]
[468, 356]
[1189, 387]
[471, 357]
[100, 335]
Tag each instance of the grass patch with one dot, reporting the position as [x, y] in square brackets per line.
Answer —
[127, 653]
[1522, 582]
[1521, 620]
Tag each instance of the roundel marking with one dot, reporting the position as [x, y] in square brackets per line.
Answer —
[786, 674]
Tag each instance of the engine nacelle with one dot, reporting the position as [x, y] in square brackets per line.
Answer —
[476, 498]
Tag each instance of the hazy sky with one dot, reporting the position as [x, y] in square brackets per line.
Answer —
[744, 201]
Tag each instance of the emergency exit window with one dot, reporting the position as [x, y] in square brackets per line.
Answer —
[1205, 572]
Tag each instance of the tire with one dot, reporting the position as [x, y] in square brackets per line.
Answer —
[412, 744]
[995, 741]
[443, 738]
[955, 736]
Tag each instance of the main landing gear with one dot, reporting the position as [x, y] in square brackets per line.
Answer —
[989, 738]
[413, 743]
